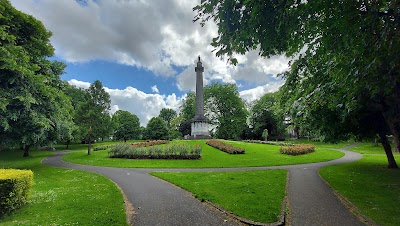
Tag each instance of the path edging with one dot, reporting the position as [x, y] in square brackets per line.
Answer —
[349, 205]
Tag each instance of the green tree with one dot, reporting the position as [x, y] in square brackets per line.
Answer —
[265, 115]
[346, 54]
[127, 125]
[225, 109]
[33, 106]
[93, 114]
[167, 115]
[156, 129]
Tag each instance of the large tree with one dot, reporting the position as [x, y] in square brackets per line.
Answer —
[346, 53]
[33, 106]
[93, 114]
[264, 115]
[127, 125]
[225, 110]
[156, 129]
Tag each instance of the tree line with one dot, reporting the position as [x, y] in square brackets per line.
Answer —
[343, 81]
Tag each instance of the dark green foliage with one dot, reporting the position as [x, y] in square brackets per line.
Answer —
[225, 109]
[93, 114]
[167, 115]
[346, 62]
[126, 126]
[264, 114]
[156, 129]
[15, 189]
[33, 107]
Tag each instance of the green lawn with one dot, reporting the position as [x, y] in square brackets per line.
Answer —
[254, 195]
[256, 155]
[369, 184]
[64, 197]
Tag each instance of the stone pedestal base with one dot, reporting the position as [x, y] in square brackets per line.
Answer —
[199, 130]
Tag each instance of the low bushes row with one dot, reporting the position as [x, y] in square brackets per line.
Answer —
[225, 147]
[149, 143]
[269, 142]
[174, 151]
[103, 147]
[15, 188]
[298, 149]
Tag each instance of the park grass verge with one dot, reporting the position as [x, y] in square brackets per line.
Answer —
[369, 185]
[256, 155]
[253, 195]
[63, 196]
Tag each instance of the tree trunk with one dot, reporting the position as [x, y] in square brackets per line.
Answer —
[67, 144]
[395, 129]
[26, 151]
[124, 139]
[89, 146]
[388, 151]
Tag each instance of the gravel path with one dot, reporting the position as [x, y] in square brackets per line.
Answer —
[156, 202]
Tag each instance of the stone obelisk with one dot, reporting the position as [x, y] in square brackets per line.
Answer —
[199, 125]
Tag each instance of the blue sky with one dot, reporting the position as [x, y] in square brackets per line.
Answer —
[144, 52]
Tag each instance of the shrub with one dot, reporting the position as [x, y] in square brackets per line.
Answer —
[103, 147]
[149, 143]
[225, 147]
[298, 149]
[269, 142]
[174, 151]
[15, 188]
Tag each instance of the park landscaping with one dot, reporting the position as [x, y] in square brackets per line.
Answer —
[368, 184]
[256, 155]
[253, 195]
[173, 151]
[63, 196]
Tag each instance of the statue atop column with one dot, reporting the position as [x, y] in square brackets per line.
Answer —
[199, 125]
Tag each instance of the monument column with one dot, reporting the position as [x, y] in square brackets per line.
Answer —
[199, 69]
[199, 125]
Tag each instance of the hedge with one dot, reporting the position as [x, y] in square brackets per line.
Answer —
[225, 147]
[174, 151]
[298, 149]
[15, 189]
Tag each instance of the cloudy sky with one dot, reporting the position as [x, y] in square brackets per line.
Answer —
[144, 52]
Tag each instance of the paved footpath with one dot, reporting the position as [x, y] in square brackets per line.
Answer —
[156, 202]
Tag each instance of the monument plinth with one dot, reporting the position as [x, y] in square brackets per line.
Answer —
[199, 125]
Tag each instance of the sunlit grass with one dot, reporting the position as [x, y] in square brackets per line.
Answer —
[256, 155]
[64, 197]
[369, 185]
[254, 195]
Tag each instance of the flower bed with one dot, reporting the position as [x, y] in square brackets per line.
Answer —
[174, 151]
[269, 142]
[299, 149]
[149, 143]
[225, 147]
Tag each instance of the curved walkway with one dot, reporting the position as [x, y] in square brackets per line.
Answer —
[156, 202]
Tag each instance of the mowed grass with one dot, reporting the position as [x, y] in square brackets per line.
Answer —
[256, 155]
[254, 195]
[369, 184]
[64, 197]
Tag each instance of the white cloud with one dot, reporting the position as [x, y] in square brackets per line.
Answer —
[155, 89]
[154, 35]
[142, 104]
[79, 84]
[255, 93]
